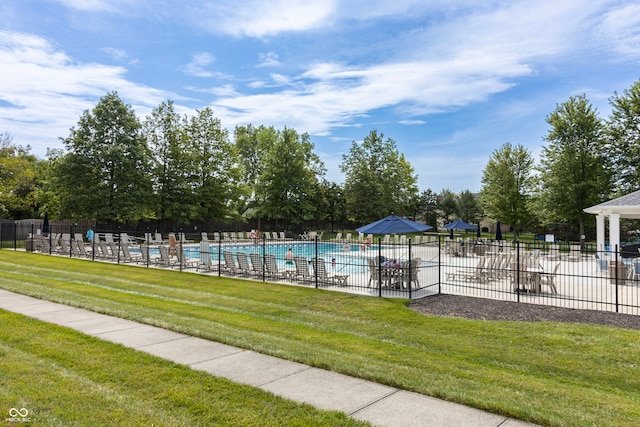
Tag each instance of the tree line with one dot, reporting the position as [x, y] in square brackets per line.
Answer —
[180, 169]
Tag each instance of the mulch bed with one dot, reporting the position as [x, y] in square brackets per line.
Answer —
[488, 309]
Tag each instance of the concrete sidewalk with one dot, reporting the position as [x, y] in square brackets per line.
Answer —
[363, 400]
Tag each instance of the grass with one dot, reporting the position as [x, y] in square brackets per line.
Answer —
[63, 377]
[543, 372]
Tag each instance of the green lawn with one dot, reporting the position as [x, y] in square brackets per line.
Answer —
[66, 378]
[547, 373]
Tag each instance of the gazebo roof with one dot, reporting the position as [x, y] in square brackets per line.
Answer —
[627, 206]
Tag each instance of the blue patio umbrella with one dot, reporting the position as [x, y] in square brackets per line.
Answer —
[459, 225]
[393, 224]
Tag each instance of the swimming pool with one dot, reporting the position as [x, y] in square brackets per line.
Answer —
[340, 257]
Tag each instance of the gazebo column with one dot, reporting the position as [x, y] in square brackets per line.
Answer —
[614, 231]
[600, 239]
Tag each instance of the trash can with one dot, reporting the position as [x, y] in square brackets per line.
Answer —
[29, 244]
[618, 271]
[480, 250]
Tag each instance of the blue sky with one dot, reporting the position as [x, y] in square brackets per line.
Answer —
[449, 81]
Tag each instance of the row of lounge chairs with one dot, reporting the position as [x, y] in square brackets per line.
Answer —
[253, 264]
[523, 271]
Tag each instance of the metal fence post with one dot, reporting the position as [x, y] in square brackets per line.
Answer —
[15, 235]
[409, 273]
[264, 257]
[219, 254]
[518, 270]
[617, 252]
[379, 266]
[315, 263]
[439, 265]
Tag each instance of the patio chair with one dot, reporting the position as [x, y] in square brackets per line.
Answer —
[574, 253]
[320, 271]
[128, 257]
[182, 261]
[205, 257]
[164, 260]
[271, 267]
[374, 272]
[302, 269]
[229, 265]
[549, 279]
[602, 265]
[243, 263]
[257, 266]
[478, 274]
[410, 270]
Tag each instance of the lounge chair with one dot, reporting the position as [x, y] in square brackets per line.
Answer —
[302, 269]
[271, 267]
[320, 272]
[257, 266]
[229, 265]
[204, 237]
[338, 236]
[205, 257]
[128, 257]
[164, 259]
[243, 263]
[182, 261]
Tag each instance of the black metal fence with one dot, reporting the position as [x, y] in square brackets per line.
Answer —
[560, 275]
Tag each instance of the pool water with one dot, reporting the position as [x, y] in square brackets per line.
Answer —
[339, 257]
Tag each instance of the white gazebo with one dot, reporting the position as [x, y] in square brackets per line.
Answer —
[623, 207]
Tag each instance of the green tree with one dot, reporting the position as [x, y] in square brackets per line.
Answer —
[624, 134]
[334, 210]
[47, 194]
[167, 140]
[469, 207]
[426, 208]
[290, 176]
[105, 173]
[507, 185]
[17, 179]
[379, 180]
[215, 172]
[449, 206]
[573, 170]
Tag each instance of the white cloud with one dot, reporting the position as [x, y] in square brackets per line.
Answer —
[47, 91]
[257, 18]
[269, 59]
[199, 63]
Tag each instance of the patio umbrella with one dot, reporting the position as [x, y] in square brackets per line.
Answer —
[459, 224]
[45, 223]
[498, 231]
[393, 224]
[478, 231]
